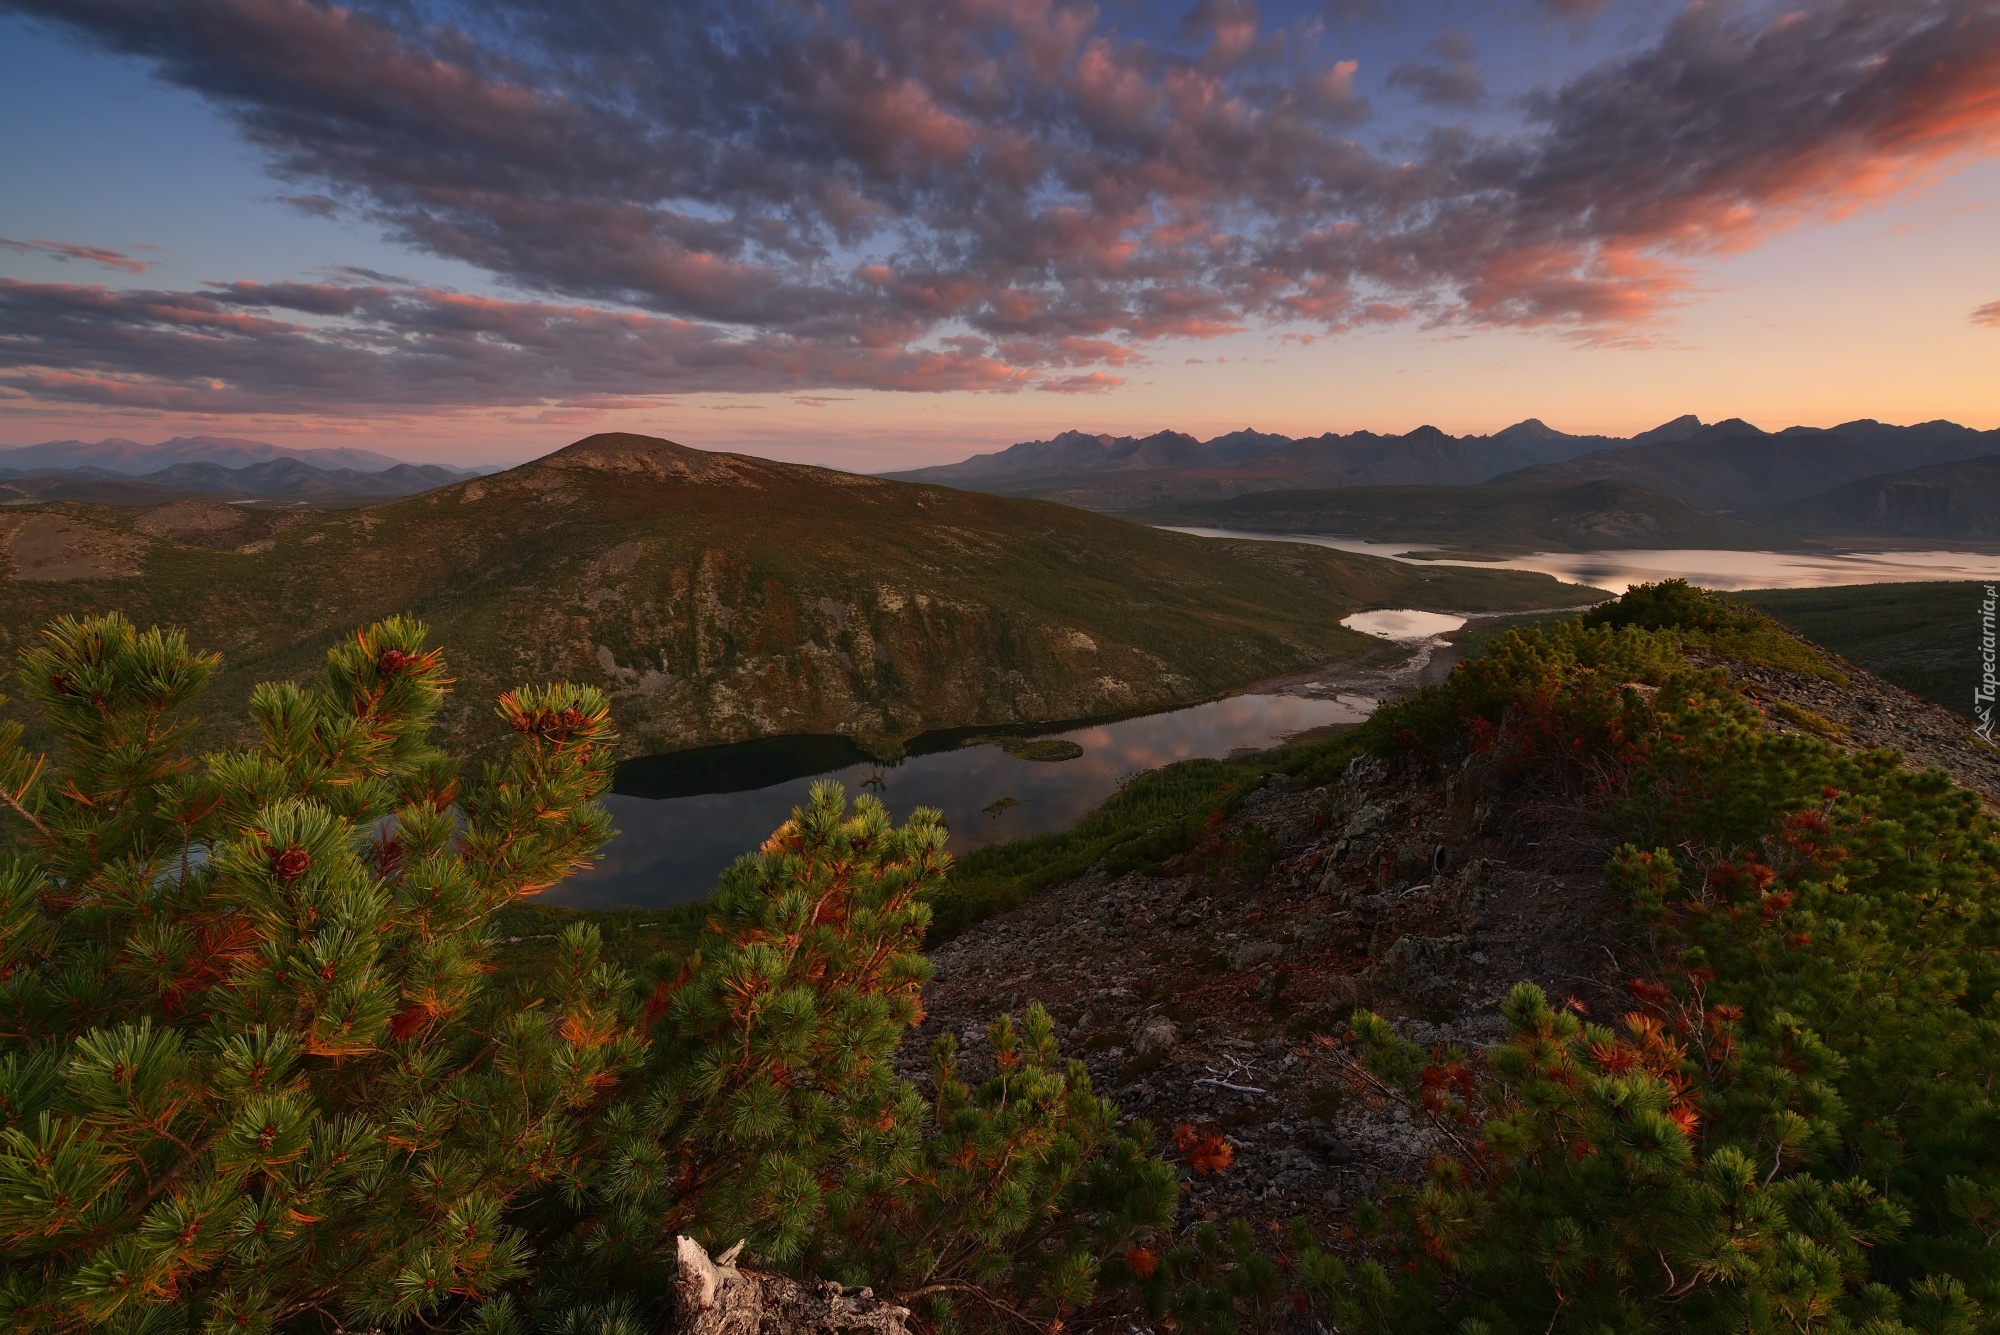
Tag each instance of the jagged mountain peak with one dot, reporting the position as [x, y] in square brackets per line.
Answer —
[1679, 429]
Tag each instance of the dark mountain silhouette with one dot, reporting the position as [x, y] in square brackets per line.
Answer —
[1729, 465]
[1734, 466]
[1679, 429]
[1105, 472]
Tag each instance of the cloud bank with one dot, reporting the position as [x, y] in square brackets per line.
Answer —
[963, 194]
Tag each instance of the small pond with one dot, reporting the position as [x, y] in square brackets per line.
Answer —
[1403, 625]
[683, 818]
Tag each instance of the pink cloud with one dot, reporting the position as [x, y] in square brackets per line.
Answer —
[1097, 382]
[969, 194]
[70, 250]
[412, 347]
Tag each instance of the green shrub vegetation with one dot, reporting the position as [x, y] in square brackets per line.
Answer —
[1793, 1128]
[1152, 817]
[769, 1110]
[259, 1069]
[250, 1068]
[1722, 625]
[258, 1072]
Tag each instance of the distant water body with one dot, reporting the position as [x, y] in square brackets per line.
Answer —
[682, 819]
[1619, 570]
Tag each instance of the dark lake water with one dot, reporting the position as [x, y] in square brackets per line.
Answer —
[684, 818]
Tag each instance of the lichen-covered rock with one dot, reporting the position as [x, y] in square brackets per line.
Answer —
[1157, 1034]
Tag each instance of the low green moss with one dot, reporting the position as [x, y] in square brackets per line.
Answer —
[1806, 719]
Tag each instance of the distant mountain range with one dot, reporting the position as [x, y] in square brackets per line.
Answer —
[1729, 466]
[1721, 486]
[1733, 466]
[118, 455]
[1103, 472]
[125, 472]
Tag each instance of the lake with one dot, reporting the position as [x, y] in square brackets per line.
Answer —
[1619, 570]
[671, 848]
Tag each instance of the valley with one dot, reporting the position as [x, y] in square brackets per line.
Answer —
[720, 597]
[1202, 940]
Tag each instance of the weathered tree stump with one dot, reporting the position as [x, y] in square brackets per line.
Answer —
[713, 1296]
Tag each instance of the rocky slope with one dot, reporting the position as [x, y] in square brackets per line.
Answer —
[719, 597]
[1213, 996]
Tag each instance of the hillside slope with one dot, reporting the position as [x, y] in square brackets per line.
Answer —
[720, 597]
[1584, 517]
[1422, 884]
[1922, 637]
[1949, 500]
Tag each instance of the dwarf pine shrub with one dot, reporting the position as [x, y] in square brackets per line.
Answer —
[769, 1110]
[248, 1069]
[254, 1076]
[1794, 1127]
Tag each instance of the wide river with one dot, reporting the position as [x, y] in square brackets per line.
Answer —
[684, 818]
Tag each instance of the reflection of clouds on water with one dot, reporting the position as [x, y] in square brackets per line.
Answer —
[671, 851]
[1619, 570]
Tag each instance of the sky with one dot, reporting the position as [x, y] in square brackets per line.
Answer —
[875, 235]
